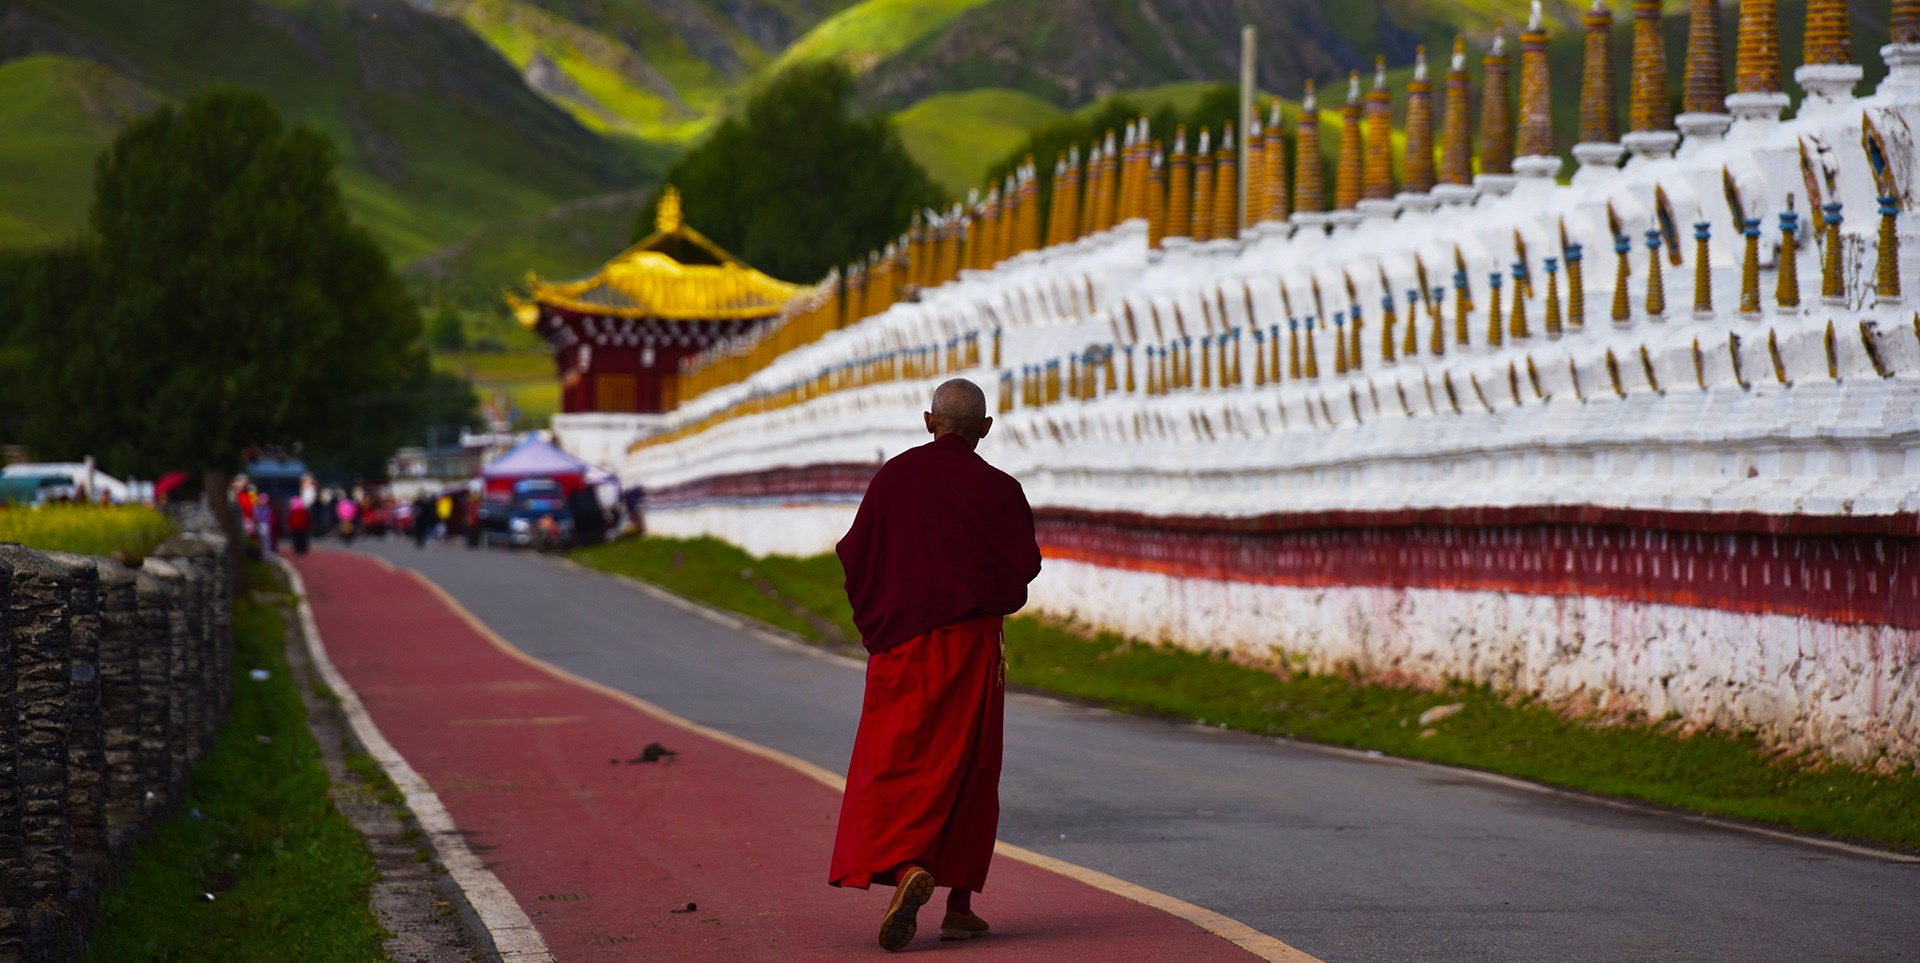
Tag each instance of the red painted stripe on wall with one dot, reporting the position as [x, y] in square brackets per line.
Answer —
[1859, 570]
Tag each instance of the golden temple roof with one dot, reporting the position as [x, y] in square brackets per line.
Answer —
[675, 274]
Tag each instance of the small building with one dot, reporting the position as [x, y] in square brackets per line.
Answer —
[618, 337]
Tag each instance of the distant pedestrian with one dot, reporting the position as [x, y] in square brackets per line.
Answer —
[299, 523]
[349, 515]
[941, 549]
[263, 522]
[422, 521]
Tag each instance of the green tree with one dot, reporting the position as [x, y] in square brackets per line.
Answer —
[446, 331]
[221, 299]
[800, 183]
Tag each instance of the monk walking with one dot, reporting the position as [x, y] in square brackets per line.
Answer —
[940, 552]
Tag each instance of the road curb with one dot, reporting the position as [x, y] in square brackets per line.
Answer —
[502, 922]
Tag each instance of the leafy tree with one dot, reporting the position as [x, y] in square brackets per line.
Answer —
[800, 183]
[446, 331]
[221, 299]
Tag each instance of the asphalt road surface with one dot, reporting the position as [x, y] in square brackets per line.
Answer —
[1342, 855]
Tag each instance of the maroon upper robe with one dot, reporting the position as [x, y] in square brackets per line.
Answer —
[941, 536]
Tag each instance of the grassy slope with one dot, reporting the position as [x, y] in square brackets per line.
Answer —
[436, 139]
[868, 32]
[956, 136]
[59, 112]
[1720, 774]
[288, 874]
[601, 67]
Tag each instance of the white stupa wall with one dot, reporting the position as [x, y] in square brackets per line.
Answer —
[1793, 416]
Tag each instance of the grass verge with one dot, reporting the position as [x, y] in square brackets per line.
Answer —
[289, 875]
[1727, 775]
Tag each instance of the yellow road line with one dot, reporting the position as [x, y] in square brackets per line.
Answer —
[1232, 930]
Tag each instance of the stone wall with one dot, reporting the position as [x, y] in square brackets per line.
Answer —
[112, 683]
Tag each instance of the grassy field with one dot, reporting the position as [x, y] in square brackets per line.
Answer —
[871, 31]
[956, 137]
[130, 531]
[521, 379]
[58, 112]
[288, 876]
[1727, 775]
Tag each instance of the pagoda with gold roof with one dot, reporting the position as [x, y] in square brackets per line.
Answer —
[619, 336]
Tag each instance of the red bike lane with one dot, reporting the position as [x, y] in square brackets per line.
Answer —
[717, 852]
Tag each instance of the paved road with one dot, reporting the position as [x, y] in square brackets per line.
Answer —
[1343, 856]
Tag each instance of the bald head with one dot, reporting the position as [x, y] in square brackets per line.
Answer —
[960, 408]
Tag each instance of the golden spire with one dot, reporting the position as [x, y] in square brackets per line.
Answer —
[1109, 170]
[1496, 331]
[1203, 189]
[1419, 161]
[1090, 187]
[1496, 109]
[1553, 319]
[1828, 72]
[1750, 271]
[1156, 197]
[1702, 272]
[1057, 194]
[1226, 189]
[1517, 327]
[1622, 303]
[1377, 172]
[1887, 265]
[1830, 283]
[1656, 287]
[1786, 291]
[1705, 90]
[1904, 23]
[1576, 288]
[1179, 188]
[1308, 194]
[1647, 100]
[1347, 177]
[1070, 209]
[666, 217]
[1757, 52]
[1030, 204]
[1599, 120]
[1536, 111]
[1273, 171]
[1456, 142]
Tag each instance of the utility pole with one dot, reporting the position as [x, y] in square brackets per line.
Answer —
[1245, 126]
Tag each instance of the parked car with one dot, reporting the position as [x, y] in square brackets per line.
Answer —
[535, 515]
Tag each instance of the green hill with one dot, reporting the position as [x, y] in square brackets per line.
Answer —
[437, 135]
[59, 112]
[956, 137]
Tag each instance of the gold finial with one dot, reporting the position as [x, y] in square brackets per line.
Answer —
[1456, 144]
[1702, 272]
[1496, 109]
[666, 217]
[1705, 90]
[1599, 122]
[1377, 175]
[1656, 287]
[1156, 196]
[1647, 105]
[1757, 49]
[1887, 267]
[1226, 187]
[1203, 189]
[1536, 110]
[1829, 34]
[1179, 187]
[1904, 24]
[1419, 160]
[1308, 193]
[1347, 177]
[1787, 289]
[1750, 270]
[1273, 171]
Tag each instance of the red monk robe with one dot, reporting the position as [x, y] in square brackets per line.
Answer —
[941, 549]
